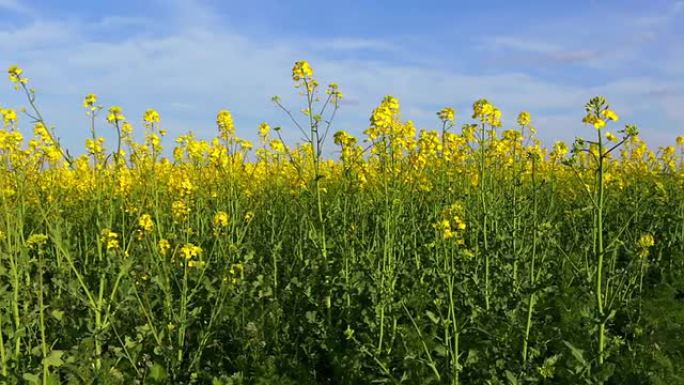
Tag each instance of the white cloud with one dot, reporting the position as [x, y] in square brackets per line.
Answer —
[199, 68]
[15, 6]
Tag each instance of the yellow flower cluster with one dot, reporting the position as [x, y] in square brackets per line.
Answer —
[191, 254]
[224, 121]
[220, 220]
[145, 223]
[447, 115]
[36, 241]
[598, 113]
[15, 75]
[524, 118]
[8, 115]
[151, 116]
[164, 246]
[487, 113]
[302, 70]
[110, 239]
[452, 225]
[89, 102]
[189, 251]
[115, 115]
[646, 240]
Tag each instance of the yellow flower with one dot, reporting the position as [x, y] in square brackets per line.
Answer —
[194, 264]
[89, 102]
[610, 115]
[151, 116]
[36, 241]
[680, 141]
[611, 137]
[264, 129]
[487, 113]
[146, 223]
[451, 224]
[277, 146]
[8, 115]
[220, 219]
[334, 91]
[646, 241]
[15, 73]
[301, 70]
[190, 251]
[95, 147]
[524, 118]
[598, 123]
[224, 121]
[164, 246]
[110, 239]
[444, 228]
[447, 114]
[115, 115]
[179, 210]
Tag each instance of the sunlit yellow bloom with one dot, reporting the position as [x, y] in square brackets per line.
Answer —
[610, 115]
[524, 118]
[447, 114]
[95, 147]
[301, 70]
[8, 115]
[277, 146]
[196, 264]
[220, 219]
[164, 246]
[115, 115]
[611, 137]
[487, 113]
[179, 210]
[151, 116]
[146, 223]
[645, 242]
[598, 123]
[189, 251]
[36, 241]
[264, 129]
[334, 91]
[15, 75]
[110, 239]
[224, 121]
[89, 101]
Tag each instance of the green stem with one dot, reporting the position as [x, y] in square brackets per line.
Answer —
[531, 301]
[600, 250]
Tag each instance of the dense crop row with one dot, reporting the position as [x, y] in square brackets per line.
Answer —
[461, 256]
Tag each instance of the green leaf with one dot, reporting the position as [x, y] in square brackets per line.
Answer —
[511, 378]
[440, 350]
[158, 372]
[577, 353]
[432, 316]
[54, 359]
[31, 378]
[57, 314]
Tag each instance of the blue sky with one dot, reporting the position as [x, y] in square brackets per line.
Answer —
[190, 58]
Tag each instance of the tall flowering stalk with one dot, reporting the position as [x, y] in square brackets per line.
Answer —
[598, 113]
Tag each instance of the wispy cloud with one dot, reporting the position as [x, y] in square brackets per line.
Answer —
[541, 51]
[14, 6]
[200, 67]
